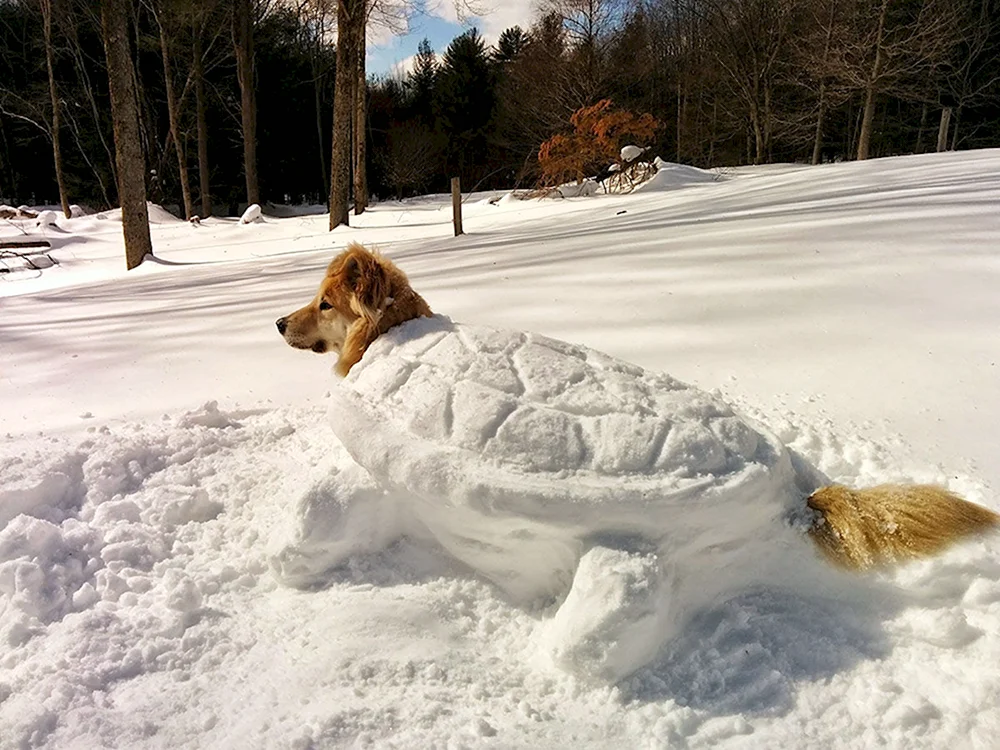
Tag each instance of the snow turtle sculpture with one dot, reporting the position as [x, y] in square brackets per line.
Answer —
[563, 474]
[555, 471]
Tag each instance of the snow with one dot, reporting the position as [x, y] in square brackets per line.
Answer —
[46, 219]
[163, 447]
[628, 153]
[251, 215]
[584, 189]
[670, 176]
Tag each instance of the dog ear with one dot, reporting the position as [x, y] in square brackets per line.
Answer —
[366, 277]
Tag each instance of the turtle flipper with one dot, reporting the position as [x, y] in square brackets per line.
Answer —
[614, 617]
[343, 514]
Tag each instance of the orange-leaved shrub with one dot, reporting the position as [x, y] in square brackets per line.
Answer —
[599, 132]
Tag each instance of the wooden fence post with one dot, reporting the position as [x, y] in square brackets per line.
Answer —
[456, 205]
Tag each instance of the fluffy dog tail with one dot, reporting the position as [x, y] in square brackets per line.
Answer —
[890, 523]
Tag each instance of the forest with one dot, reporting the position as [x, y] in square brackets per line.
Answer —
[236, 99]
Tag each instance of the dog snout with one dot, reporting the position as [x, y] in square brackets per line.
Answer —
[282, 324]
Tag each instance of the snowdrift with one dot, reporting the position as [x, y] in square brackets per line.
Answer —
[670, 176]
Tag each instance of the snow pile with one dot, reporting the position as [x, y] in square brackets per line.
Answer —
[519, 453]
[670, 176]
[46, 219]
[251, 215]
[629, 153]
[157, 215]
[577, 190]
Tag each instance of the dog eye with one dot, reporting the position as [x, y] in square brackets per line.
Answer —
[324, 305]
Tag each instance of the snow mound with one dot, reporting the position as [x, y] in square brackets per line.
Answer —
[628, 153]
[573, 190]
[46, 219]
[157, 215]
[525, 457]
[670, 176]
[251, 215]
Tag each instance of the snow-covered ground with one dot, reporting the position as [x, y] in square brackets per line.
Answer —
[162, 444]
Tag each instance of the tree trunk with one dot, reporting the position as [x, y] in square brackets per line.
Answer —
[818, 142]
[125, 117]
[680, 119]
[349, 14]
[712, 133]
[317, 90]
[46, 6]
[758, 133]
[5, 165]
[768, 122]
[173, 117]
[954, 130]
[243, 47]
[76, 50]
[942, 141]
[360, 109]
[204, 181]
[920, 131]
[865, 137]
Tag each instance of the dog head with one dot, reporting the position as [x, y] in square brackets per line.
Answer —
[356, 287]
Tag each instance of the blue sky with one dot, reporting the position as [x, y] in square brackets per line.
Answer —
[440, 25]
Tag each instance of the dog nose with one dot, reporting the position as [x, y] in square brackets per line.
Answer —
[282, 324]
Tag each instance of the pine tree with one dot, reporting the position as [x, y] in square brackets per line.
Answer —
[466, 100]
[510, 45]
[420, 82]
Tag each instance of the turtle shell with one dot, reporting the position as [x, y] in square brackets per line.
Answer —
[514, 443]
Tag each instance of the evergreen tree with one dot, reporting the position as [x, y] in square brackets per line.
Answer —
[511, 43]
[466, 101]
[420, 83]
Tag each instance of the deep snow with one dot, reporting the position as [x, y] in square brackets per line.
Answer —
[163, 445]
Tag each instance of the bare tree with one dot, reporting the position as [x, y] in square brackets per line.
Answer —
[173, 107]
[814, 48]
[317, 28]
[352, 17]
[413, 152]
[85, 15]
[894, 48]
[128, 146]
[969, 75]
[751, 37]
[243, 23]
[360, 122]
[590, 27]
[350, 31]
[198, 73]
[55, 130]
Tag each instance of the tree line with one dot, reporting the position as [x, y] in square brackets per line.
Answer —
[220, 103]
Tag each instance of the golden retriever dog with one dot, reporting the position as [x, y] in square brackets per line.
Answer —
[365, 294]
[362, 297]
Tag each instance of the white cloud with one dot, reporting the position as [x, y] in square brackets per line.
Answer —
[493, 18]
[504, 15]
[387, 51]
